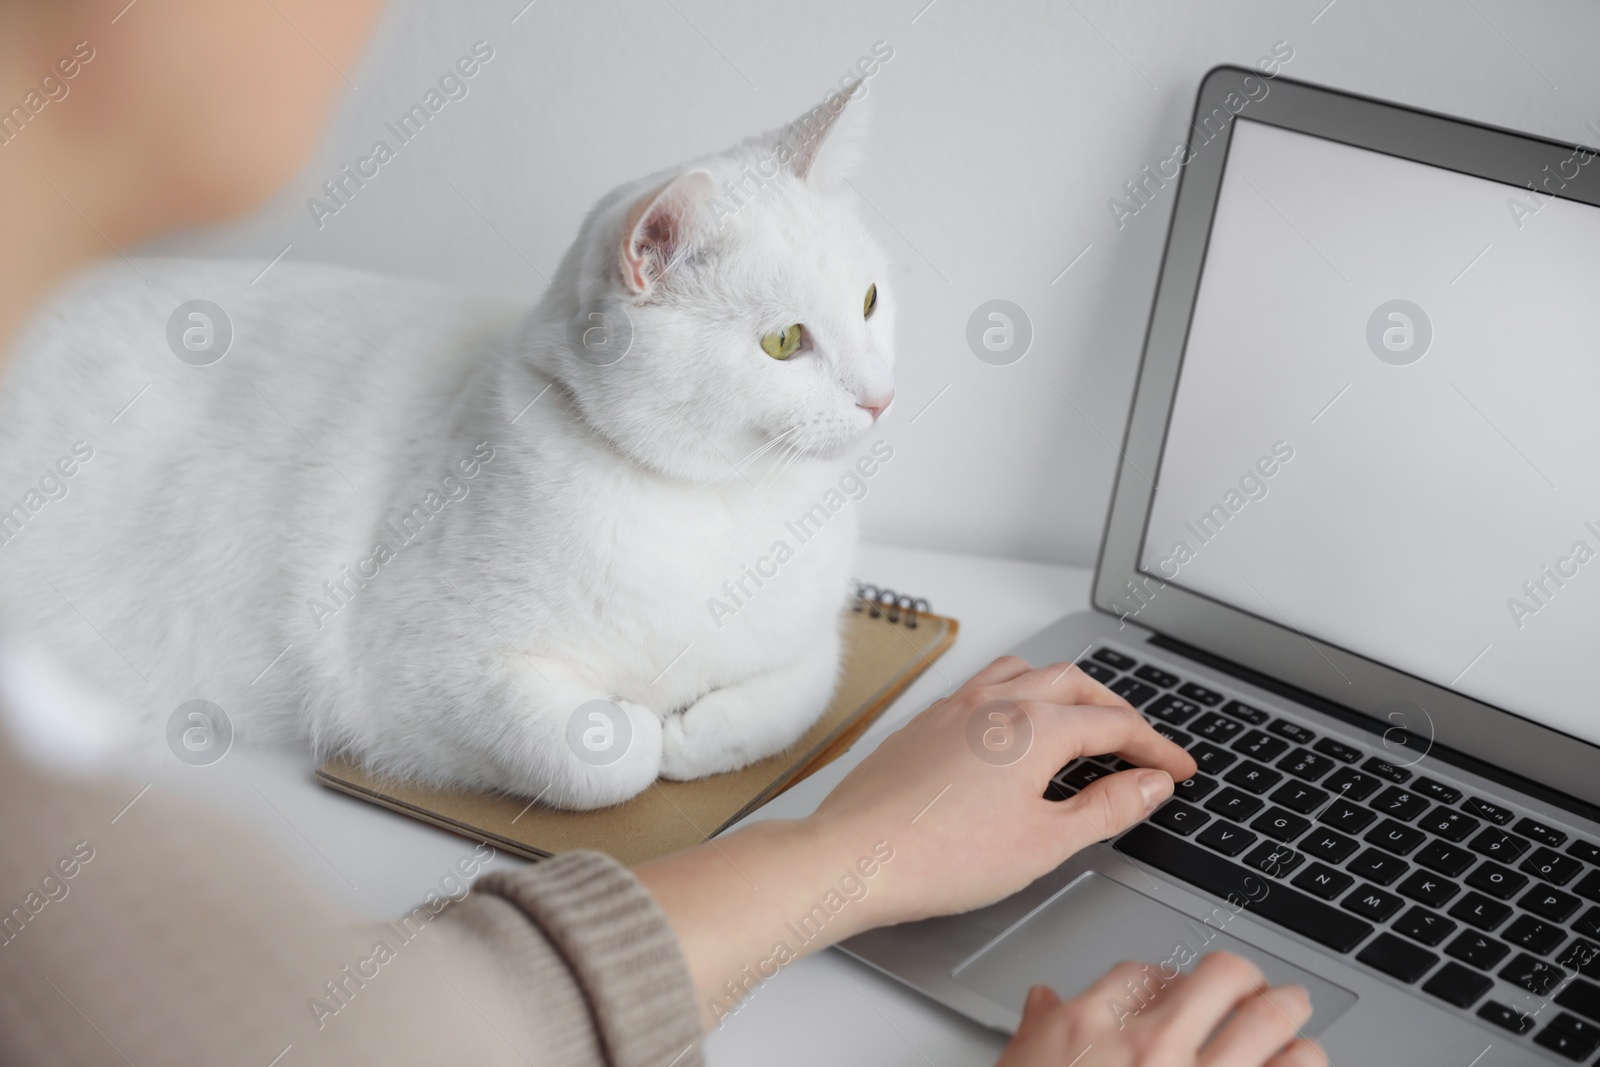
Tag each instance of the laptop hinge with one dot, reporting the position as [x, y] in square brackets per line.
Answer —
[1395, 740]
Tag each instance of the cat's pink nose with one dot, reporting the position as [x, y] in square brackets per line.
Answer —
[876, 406]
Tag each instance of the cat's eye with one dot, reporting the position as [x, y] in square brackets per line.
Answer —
[781, 344]
[870, 304]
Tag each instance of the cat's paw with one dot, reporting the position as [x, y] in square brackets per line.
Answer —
[704, 738]
[606, 761]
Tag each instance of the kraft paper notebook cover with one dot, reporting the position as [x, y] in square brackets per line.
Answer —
[888, 643]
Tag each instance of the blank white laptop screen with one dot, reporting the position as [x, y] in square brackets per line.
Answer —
[1386, 433]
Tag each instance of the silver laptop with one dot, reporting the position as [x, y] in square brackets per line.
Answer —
[1353, 565]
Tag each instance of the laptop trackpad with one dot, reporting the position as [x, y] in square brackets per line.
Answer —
[1096, 923]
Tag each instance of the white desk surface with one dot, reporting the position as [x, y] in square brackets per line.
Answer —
[823, 1009]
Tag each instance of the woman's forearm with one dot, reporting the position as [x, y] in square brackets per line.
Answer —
[745, 905]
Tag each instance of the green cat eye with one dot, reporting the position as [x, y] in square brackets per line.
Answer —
[783, 343]
[871, 303]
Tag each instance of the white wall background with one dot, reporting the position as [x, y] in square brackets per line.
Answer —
[1002, 127]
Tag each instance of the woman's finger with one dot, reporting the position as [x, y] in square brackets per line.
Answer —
[1109, 805]
[1062, 734]
[1260, 1028]
[1215, 987]
[1302, 1052]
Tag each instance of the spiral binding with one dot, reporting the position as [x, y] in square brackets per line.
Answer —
[886, 603]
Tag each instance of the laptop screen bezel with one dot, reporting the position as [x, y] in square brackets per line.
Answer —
[1433, 714]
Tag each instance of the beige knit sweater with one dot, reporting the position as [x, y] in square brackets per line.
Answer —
[168, 937]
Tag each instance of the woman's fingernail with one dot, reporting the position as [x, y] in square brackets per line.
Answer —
[1035, 995]
[1156, 786]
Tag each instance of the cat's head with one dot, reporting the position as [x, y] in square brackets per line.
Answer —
[731, 308]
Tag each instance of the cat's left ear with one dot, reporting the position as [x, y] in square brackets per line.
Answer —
[824, 145]
[662, 228]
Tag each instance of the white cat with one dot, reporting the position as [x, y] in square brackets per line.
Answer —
[429, 530]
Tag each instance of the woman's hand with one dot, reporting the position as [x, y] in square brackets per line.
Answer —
[946, 815]
[1220, 1015]
[958, 792]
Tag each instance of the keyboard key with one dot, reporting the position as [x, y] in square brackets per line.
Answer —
[1400, 804]
[1429, 888]
[1338, 750]
[1112, 658]
[1498, 845]
[1581, 996]
[1239, 710]
[1200, 694]
[1193, 789]
[1175, 710]
[1293, 731]
[1056, 791]
[1276, 860]
[1395, 837]
[1569, 1036]
[1226, 838]
[1303, 763]
[1423, 925]
[1234, 804]
[1476, 949]
[1548, 903]
[1399, 959]
[1588, 886]
[1541, 832]
[1343, 815]
[1588, 923]
[1082, 775]
[1506, 1018]
[1173, 734]
[1325, 844]
[1373, 903]
[1454, 984]
[1535, 935]
[1258, 745]
[1384, 769]
[1323, 881]
[1581, 955]
[1446, 859]
[1214, 727]
[1156, 676]
[1449, 824]
[1351, 783]
[1533, 974]
[1571, 1024]
[1485, 810]
[1132, 690]
[1098, 671]
[1299, 912]
[1180, 818]
[1281, 825]
[1299, 797]
[1475, 909]
[1445, 794]
[1584, 850]
[1564, 1044]
[1552, 866]
[1376, 866]
[1254, 777]
[1210, 758]
[1496, 880]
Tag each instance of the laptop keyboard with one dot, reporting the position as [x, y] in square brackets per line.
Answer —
[1458, 895]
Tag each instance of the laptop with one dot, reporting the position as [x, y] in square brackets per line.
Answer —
[1352, 564]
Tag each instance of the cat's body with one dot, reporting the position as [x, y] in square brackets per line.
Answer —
[353, 528]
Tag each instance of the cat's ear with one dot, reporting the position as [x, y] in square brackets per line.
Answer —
[824, 145]
[662, 227]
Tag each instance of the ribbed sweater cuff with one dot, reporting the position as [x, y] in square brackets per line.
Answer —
[620, 949]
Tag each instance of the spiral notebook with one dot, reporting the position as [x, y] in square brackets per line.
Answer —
[889, 640]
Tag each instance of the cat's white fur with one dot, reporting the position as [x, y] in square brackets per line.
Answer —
[577, 563]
